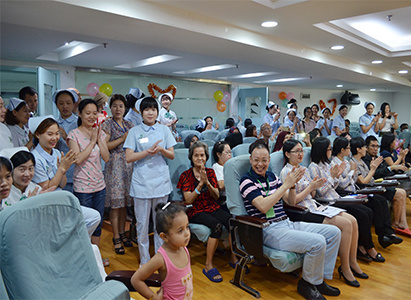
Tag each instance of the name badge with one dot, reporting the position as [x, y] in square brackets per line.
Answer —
[143, 140]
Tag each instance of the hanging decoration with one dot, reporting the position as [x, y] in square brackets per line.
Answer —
[282, 95]
[218, 96]
[322, 105]
[106, 89]
[152, 86]
[221, 107]
[290, 96]
[92, 89]
[227, 97]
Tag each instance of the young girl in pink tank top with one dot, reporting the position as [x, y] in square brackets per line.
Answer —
[172, 259]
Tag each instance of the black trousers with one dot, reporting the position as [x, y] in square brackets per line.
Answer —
[382, 215]
[214, 220]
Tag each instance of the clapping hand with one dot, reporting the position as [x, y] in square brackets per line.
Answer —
[66, 160]
[155, 148]
[317, 183]
[294, 176]
[375, 163]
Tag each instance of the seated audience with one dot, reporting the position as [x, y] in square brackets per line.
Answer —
[209, 124]
[190, 139]
[313, 134]
[262, 192]
[396, 196]
[404, 127]
[201, 124]
[221, 153]
[281, 139]
[234, 138]
[387, 151]
[251, 131]
[265, 133]
[305, 189]
[200, 188]
[347, 125]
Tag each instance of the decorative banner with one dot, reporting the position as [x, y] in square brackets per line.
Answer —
[290, 96]
[334, 106]
[221, 107]
[227, 97]
[322, 105]
[106, 89]
[282, 95]
[152, 86]
[218, 96]
[92, 89]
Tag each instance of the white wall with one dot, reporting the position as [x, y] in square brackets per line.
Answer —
[402, 105]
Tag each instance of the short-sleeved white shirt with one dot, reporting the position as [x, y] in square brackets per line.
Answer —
[6, 140]
[46, 164]
[388, 124]
[338, 122]
[151, 178]
[366, 120]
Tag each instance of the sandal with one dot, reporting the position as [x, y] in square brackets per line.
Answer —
[125, 240]
[119, 250]
[212, 274]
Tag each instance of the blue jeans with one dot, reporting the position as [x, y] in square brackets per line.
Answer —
[318, 242]
[96, 201]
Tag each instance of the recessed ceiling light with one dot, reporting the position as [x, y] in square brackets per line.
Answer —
[66, 43]
[269, 24]
[403, 72]
[372, 90]
[68, 50]
[282, 80]
[337, 47]
[339, 85]
[376, 62]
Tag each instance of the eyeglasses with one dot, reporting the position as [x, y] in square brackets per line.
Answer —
[227, 152]
[257, 161]
[330, 149]
[297, 151]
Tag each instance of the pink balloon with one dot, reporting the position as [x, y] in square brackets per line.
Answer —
[290, 96]
[92, 89]
[227, 97]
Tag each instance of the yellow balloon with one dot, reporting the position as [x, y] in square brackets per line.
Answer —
[106, 89]
[218, 96]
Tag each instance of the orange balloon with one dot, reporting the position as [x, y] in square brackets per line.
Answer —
[282, 95]
[221, 106]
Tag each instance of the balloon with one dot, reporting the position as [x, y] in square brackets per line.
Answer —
[218, 96]
[290, 96]
[92, 89]
[284, 103]
[106, 89]
[282, 95]
[221, 106]
[227, 97]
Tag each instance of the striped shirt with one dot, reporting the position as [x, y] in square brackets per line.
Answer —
[348, 178]
[253, 185]
[327, 191]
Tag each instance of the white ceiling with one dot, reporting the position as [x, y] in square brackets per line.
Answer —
[204, 33]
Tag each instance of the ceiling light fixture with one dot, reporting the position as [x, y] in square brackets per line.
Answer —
[149, 61]
[207, 69]
[269, 24]
[283, 80]
[249, 75]
[373, 90]
[376, 62]
[340, 85]
[403, 72]
[68, 50]
[337, 47]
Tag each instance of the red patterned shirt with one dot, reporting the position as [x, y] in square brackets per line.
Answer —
[204, 201]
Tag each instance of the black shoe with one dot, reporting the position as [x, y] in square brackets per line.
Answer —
[359, 275]
[353, 283]
[395, 239]
[328, 290]
[309, 291]
[385, 241]
[364, 257]
[378, 258]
